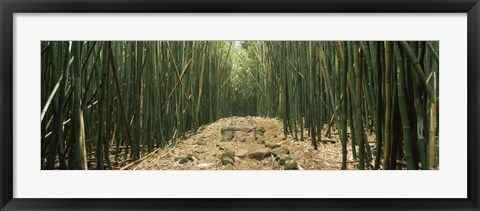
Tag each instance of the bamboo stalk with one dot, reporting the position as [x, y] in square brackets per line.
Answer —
[403, 109]
[388, 106]
[77, 161]
[418, 68]
[432, 142]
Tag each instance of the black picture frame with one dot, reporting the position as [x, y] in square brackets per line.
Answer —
[9, 7]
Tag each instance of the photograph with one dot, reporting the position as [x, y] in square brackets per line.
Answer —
[239, 105]
[199, 104]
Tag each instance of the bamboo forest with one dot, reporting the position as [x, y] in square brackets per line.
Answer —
[239, 105]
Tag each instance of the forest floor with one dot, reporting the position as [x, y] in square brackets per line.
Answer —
[247, 143]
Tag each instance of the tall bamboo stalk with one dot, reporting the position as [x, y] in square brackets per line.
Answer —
[388, 105]
[402, 101]
[77, 158]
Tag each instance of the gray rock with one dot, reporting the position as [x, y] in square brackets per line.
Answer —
[328, 140]
[259, 154]
[228, 153]
[280, 151]
[228, 130]
[241, 153]
[257, 134]
[283, 158]
[224, 145]
[259, 131]
[191, 157]
[228, 167]
[271, 145]
[227, 160]
[227, 157]
[227, 136]
[291, 165]
[181, 160]
[228, 133]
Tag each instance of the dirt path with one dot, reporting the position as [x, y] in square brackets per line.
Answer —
[245, 143]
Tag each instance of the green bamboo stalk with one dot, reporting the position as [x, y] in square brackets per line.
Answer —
[102, 110]
[343, 104]
[418, 68]
[402, 101]
[388, 106]
[77, 158]
[310, 102]
[52, 154]
[432, 129]
[376, 60]
[358, 104]
[119, 94]
[138, 99]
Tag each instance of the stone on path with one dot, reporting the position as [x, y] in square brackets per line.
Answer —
[199, 151]
[280, 151]
[227, 136]
[224, 145]
[328, 140]
[291, 165]
[191, 157]
[259, 131]
[241, 153]
[259, 154]
[228, 167]
[271, 145]
[227, 160]
[228, 157]
[282, 159]
[228, 133]
[181, 160]
[228, 129]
